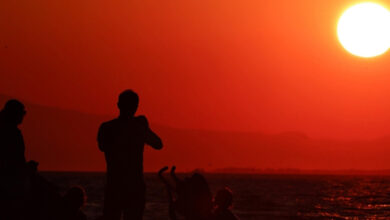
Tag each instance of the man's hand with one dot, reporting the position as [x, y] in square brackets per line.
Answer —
[151, 138]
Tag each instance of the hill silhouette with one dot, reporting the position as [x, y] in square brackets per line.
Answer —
[66, 140]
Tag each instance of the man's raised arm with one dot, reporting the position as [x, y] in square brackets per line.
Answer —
[153, 140]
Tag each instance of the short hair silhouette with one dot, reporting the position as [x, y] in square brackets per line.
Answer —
[73, 201]
[13, 105]
[224, 198]
[75, 197]
[128, 102]
[13, 111]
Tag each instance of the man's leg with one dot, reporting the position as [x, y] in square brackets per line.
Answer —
[136, 207]
[135, 212]
[112, 209]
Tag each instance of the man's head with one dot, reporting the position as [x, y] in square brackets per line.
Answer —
[128, 103]
[13, 112]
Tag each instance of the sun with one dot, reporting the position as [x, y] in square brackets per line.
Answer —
[364, 29]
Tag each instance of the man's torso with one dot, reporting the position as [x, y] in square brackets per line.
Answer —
[123, 148]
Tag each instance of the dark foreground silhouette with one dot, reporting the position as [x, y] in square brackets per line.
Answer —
[122, 140]
[72, 202]
[11, 140]
[24, 194]
[223, 203]
[192, 198]
[13, 168]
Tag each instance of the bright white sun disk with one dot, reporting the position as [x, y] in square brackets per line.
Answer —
[364, 29]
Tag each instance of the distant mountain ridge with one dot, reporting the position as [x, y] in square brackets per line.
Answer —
[65, 140]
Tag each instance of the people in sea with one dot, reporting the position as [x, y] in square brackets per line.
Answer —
[190, 198]
[223, 203]
[122, 140]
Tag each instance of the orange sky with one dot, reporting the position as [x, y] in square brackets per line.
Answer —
[247, 65]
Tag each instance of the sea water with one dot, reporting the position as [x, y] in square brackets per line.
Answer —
[260, 196]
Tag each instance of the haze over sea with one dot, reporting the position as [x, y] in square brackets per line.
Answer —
[261, 196]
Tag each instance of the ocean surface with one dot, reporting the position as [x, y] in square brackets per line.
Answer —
[261, 196]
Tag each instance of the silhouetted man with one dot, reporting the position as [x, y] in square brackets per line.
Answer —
[12, 160]
[122, 141]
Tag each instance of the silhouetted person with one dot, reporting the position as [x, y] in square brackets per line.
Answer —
[72, 202]
[223, 202]
[23, 193]
[191, 197]
[122, 140]
[12, 160]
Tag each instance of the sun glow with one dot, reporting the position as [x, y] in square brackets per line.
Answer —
[364, 30]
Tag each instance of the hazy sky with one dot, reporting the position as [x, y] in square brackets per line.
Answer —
[248, 65]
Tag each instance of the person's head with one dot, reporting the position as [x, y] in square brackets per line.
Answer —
[13, 112]
[128, 103]
[224, 198]
[75, 198]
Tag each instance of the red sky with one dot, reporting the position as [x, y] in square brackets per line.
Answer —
[267, 66]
